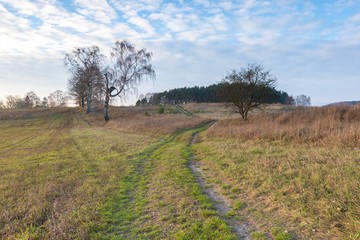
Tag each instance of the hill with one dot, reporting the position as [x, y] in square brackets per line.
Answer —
[345, 103]
[209, 94]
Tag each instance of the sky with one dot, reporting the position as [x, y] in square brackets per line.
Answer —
[312, 47]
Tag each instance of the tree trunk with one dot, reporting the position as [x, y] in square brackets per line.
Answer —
[106, 107]
[107, 99]
[88, 103]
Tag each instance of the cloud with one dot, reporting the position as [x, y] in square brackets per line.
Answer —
[22, 6]
[339, 6]
[97, 10]
[194, 42]
[143, 24]
[130, 7]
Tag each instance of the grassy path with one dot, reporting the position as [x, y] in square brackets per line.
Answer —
[160, 198]
[221, 204]
[184, 111]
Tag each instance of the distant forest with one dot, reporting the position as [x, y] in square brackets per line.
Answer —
[209, 94]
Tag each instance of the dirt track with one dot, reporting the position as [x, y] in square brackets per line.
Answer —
[242, 229]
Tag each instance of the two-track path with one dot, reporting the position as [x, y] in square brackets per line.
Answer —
[163, 195]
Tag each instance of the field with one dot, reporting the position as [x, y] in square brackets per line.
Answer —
[285, 174]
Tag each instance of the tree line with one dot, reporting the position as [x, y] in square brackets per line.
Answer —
[244, 89]
[30, 100]
[209, 94]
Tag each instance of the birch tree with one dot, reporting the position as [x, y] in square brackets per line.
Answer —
[130, 68]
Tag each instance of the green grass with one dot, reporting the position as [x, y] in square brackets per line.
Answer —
[64, 176]
[281, 234]
[160, 199]
[55, 172]
[259, 236]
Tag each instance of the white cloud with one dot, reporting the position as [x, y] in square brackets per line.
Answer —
[338, 6]
[198, 40]
[142, 23]
[22, 6]
[99, 10]
[130, 7]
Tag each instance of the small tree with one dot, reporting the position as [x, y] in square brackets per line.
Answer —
[303, 100]
[130, 68]
[45, 102]
[12, 101]
[248, 88]
[58, 99]
[31, 100]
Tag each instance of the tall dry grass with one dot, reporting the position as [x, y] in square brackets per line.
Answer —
[319, 125]
[147, 120]
[297, 169]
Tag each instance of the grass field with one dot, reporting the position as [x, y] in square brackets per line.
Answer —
[296, 170]
[67, 175]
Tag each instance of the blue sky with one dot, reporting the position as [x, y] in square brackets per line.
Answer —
[312, 47]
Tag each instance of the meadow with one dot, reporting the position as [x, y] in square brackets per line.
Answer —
[294, 170]
[67, 175]
[290, 174]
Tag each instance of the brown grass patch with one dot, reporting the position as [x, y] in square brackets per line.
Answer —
[296, 169]
[147, 120]
[322, 126]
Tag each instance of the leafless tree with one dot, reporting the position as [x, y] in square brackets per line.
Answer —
[2, 105]
[45, 102]
[303, 100]
[77, 89]
[58, 99]
[12, 101]
[247, 89]
[130, 68]
[85, 65]
[31, 100]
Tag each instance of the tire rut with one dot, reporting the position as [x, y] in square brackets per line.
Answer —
[242, 229]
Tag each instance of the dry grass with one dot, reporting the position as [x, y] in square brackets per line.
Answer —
[148, 120]
[67, 175]
[54, 173]
[210, 110]
[321, 126]
[223, 110]
[295, 169]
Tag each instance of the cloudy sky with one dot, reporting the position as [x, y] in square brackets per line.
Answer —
[312, 47]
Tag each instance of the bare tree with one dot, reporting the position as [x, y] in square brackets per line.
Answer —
[85, 65]
[77, 89]
[247, 89]
[31, 100]
[303, 100]
[2, 105]
[130, 68]
[45, 102]
[58, 99]
[12, 101]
